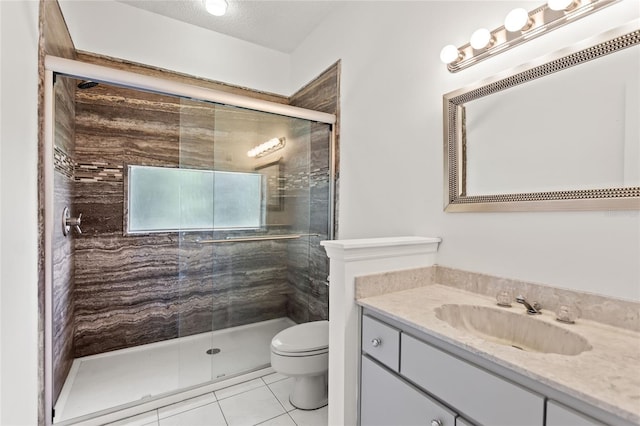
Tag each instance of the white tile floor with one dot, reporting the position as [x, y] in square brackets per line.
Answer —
[261, 401]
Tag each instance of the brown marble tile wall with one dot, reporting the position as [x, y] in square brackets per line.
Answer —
[308, 265]
[63, 285]
[54, 39]
[132, 290]
[138, 68]
[63, 250]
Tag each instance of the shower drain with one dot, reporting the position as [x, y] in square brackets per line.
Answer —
[213, 351]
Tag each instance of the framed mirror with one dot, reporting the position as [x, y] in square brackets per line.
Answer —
[561, 133]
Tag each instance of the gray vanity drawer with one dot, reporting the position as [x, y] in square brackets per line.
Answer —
[484, 397]
[462, 422]
[559, 415]
[388, 400]
[381, 341]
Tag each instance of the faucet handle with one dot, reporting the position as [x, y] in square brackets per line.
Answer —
[504, 298]
[566, 314]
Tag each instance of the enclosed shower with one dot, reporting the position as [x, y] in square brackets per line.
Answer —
[186, 235]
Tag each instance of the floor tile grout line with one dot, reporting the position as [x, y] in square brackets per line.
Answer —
[292, 419]
[275, 417]
[223, 416]
[217, 401]
[239, 393]
[275, 381]
[186, 411]
[281, 404]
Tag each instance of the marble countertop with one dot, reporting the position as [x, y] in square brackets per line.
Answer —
[607, 376]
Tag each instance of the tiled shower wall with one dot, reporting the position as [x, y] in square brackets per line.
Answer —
[63, 247]
[308, 265]
[132, 290]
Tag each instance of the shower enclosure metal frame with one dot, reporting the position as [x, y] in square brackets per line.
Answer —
[81, 70]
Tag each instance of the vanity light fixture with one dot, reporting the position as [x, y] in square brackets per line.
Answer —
[216, 7]
[449, 54]
[560, 5]
[519, 26]
[267, 147]
[518, 20]
[481, 39]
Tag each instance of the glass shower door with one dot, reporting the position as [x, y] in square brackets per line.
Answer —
[245, 276]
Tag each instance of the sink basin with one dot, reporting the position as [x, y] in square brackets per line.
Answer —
[514, 329]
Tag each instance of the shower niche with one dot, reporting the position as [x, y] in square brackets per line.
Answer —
[201, 230]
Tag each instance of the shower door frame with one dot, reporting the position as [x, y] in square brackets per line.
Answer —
[85, 71]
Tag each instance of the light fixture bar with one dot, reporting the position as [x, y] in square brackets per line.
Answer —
[267, 147]
[541, 21]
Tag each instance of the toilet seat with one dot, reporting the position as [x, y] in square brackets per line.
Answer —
[304, 353]
[308, 339]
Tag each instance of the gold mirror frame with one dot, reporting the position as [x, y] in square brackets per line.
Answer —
[456, 200]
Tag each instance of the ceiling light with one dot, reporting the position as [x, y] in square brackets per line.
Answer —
[216, 7]
[561, 4]
[450, 54]
[517, 20]
[481, 38]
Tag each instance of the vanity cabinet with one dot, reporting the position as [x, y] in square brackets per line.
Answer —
[560, 415]
[386, 400]
[487, 398]
[382, 342]
[406, 380]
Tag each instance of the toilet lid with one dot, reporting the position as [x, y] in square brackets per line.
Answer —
[306, 337]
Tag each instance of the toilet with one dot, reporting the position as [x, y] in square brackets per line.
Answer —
[302, 352]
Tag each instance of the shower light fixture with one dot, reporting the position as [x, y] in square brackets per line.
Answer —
[267, 147]
[216, 7]
[519, 26]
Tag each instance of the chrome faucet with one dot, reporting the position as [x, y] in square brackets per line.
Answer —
[531, 310]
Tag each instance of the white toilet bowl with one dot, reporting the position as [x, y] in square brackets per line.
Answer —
[302, 352]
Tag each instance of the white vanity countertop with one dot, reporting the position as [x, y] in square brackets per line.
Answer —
[607, 376]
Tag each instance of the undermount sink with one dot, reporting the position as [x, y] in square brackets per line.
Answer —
[512, 329]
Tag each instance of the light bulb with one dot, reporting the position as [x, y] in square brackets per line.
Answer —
[517, 20]
[216, 7]
[480, 38]
[561, 4]
[449, 54]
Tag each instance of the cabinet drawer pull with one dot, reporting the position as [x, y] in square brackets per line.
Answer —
[376, 342]
[436, 422]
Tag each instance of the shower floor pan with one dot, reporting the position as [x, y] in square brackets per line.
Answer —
[102, 381]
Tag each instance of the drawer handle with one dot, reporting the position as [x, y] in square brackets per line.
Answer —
[376, 342]
[436, 422]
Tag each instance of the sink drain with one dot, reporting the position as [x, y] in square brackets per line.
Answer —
[213, 351]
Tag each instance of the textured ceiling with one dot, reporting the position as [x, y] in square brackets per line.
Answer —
[276, 24]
